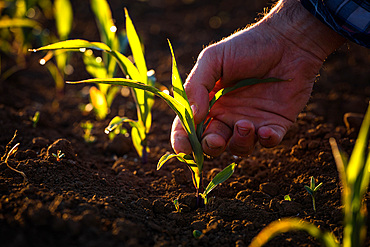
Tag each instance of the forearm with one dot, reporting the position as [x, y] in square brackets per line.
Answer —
[291, 20]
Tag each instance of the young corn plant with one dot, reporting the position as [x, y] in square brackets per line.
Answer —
[16, 34]
[354, 175]
[180, 105]
[59, 155]
[63, 15]
[102, 97]
[312, 189]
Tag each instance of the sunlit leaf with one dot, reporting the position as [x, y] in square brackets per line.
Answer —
[178, 87]
[18, 22]
[75, 44]
[220, 178]
[95, 67]
[181, 157]
[286, 225]
[105, 22]
[99, 102]
[242, 83]
[136, 49]
[63, 17]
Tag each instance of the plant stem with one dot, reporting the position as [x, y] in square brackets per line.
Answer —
[144, 159]
[314, 204]
[200, 201]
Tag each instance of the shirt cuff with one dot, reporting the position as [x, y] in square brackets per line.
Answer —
[346, 17]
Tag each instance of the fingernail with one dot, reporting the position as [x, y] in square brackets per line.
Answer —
[194, 108]
[266, 138]
[243, 131]
[211, 146]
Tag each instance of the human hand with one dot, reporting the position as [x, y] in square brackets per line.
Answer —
[274, 47]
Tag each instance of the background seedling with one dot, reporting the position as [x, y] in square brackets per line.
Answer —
[197, 234]
[354, 175]
[102, 96]
[287, 198]
[312, 189]
[87, 127]
[177, 205]
[59, 155]
[35, 119]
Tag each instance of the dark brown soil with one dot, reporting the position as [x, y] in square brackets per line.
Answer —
[94, 197]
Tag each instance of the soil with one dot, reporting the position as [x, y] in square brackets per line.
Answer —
[101, 194]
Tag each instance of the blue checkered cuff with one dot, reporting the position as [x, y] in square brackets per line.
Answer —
[350, 18]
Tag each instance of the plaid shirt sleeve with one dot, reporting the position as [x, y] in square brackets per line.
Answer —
[350, 18]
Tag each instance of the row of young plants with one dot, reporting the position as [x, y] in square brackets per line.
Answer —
[354, 173]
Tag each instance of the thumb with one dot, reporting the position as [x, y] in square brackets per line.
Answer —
[201, 80]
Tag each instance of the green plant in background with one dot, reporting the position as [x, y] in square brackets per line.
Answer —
[287, 198]
[17, 30]
[354, 175]
[177, 205]
[62, 10]
[87, 128]
[102, 97]
[35, 119]
[312, 189]
[197, 234]
[59, 155]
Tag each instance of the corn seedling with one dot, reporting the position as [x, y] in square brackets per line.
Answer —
[354, 175]
[287, 198]
[87, 128]
[35, 119]
[63, 14]
[312, 189]
[177, 205]
[16, 34]
[59, 155]
[197, 234]
[180, 105]
[99, 96]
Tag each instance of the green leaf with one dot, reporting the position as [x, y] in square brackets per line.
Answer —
[242, 83]
[220, 178]
[138, 137]
[57, 76]
[99, 102]
[18, 22]
[287, 198]
[181, 157]
[104, 19]
[114, 123]
[292, 224]
[63, 17]
[144, 100]
[75, 44]
[308, 190]
[174, 104]
[136, 49]
[188, 121]
[178, 88]
[96, 69]
[127, 66]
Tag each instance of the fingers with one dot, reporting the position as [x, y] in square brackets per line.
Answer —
[202, 79]
[270, 136]
[244, 138]
[215, 138]
[179, 138]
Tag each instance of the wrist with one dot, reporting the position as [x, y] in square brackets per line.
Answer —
[296, 25]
